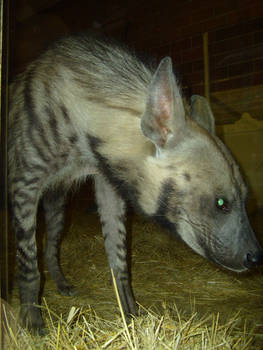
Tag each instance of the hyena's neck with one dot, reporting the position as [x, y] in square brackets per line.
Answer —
[127, 160]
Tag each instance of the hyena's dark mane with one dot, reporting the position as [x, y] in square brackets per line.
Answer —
[92, 56]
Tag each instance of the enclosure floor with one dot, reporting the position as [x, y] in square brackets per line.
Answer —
[164, 272]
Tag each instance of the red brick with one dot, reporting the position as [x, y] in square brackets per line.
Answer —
[248, 3]
[216, 61]
[256, 52]
[179, 21]
[154, 39]
[239, 29]
[256, 11]
[198, 65]
[194, 78]
[232, 44]
[258, 65]
[226, 6]
[258, 78]
[219, 74]
[194, 29]
[163, 35]
[254, 24]
[234, 57]
[258, 37]
[240, 69]
[193, 54]
[176, 57]
[197, 40]
[233, 83]
[201, 14]
[182, 44]
[161, 52]
[216, 22]
[229, 31]
[235, 17]
[223, 59]
[211, 36]
[185, 68]
[135, 32]
[245, 13]
[209, 3]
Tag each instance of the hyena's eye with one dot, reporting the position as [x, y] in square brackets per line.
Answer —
[222, 204]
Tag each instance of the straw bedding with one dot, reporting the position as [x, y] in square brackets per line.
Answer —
[188, 302]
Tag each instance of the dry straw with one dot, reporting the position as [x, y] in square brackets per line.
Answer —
[84, 330]
[188, 303]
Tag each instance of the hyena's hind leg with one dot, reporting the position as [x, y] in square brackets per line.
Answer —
[54, 205]
[24, 196]
[112, 214]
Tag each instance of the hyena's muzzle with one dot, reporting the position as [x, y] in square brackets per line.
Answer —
[236, 247]
[224, 237]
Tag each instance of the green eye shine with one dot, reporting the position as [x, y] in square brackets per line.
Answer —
[220, 202]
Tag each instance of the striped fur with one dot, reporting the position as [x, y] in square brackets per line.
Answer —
[89, 107]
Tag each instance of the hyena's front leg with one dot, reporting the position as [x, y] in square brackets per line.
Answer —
[54, 203]
[112, 214]
[24, 199]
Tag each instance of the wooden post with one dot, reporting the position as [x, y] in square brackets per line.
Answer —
[206, 66]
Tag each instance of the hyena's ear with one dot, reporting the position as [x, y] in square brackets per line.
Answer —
[164, 117]
[201, 112]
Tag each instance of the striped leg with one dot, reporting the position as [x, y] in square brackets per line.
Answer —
[112, 212]
[54, 203]
[24, 198]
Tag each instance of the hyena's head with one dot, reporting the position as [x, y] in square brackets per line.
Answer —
[201, 192]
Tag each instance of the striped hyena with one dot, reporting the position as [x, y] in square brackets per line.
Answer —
[88, 106]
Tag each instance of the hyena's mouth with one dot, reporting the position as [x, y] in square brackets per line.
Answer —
[231, 267]
[234, 269]
[220, 256]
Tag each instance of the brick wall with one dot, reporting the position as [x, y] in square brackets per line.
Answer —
[175, 28]
[235, 37]
[235, 34]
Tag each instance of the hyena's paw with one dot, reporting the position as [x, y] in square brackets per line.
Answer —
[133, 312]
[32, 320]
[67, 290]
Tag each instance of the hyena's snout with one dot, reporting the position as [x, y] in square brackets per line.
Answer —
[253, 259]
[239, 257]
[250, 249]
[241, 250]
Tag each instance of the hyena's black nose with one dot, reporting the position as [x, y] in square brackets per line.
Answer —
[253, 260]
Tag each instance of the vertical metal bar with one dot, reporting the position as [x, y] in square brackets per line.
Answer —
[206, 66]
[3, 148]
